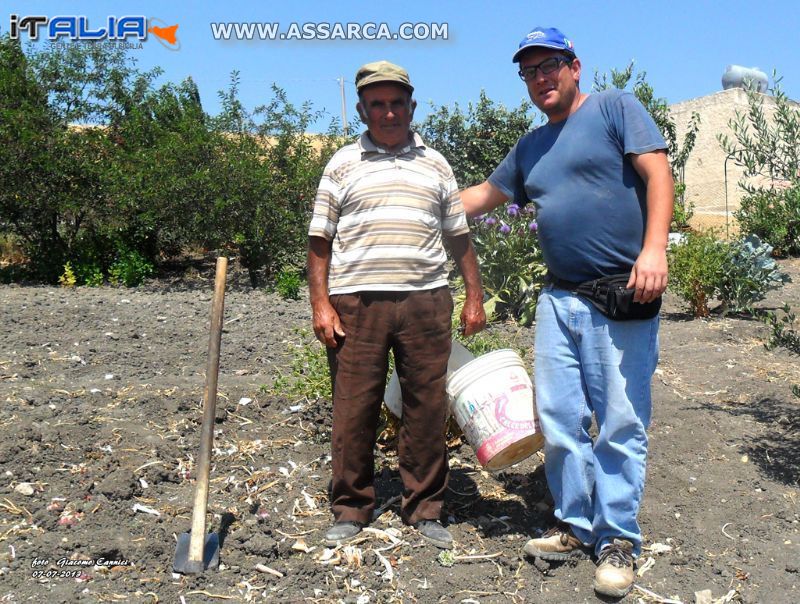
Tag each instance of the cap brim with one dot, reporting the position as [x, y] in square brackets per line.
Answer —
[515, 58]
[408, 87]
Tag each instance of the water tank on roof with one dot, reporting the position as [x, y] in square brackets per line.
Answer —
[736, 76]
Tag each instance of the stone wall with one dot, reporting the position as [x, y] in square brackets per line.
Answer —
[706, 168]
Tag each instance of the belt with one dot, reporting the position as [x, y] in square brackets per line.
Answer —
[571, 286]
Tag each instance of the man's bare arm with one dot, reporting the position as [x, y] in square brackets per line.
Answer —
[482, 198]
[650, 272]
[325, 320]
[473, 317]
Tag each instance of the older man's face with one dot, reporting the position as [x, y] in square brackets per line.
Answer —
[387, 110]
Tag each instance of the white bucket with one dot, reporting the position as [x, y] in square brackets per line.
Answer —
[492, 400]
[459, 356]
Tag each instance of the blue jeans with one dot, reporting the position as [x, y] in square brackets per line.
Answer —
[586, 363]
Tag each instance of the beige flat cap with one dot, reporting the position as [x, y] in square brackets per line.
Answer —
[382, 71]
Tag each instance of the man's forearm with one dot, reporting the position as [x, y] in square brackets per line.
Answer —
[481, 198]
[319, 257]
[660, 198]
[467, 261]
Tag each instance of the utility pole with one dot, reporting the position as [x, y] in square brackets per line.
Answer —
[344, 105]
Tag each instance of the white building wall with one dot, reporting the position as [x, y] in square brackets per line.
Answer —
[705, 170]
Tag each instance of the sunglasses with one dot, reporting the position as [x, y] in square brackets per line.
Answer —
[547, 66]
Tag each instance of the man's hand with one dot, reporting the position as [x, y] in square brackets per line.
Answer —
[326, 324]
[473, 317]
[649, 275]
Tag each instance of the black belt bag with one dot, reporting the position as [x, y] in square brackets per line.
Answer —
[610, 296]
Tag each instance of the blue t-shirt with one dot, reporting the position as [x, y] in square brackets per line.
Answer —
[591, 204]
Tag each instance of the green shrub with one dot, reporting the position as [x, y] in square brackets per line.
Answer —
[89, 274]
[749, 272]
[773, 215]
[737, 273]
[130, 269]
[783, 332]
[288, 283]
[512, 267]
[682, 210]
[697, 269]
[67, 278]
[308, 376]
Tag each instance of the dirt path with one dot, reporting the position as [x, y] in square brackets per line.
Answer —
[101, 392]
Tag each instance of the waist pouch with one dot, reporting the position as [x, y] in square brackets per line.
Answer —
[610, 296]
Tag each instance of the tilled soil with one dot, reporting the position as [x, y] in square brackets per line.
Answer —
[101, 394]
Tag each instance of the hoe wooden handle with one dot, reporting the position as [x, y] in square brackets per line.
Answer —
[209, 412]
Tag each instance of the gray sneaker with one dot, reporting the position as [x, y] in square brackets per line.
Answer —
[341, 532]
[433, 531]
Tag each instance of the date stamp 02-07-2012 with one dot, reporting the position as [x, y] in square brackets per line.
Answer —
[68, 568]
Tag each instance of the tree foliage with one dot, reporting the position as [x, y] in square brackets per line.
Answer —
[40, 184]
[106, 171]
[268, 178]
[474, 141]
[763, 145]
[767, 145]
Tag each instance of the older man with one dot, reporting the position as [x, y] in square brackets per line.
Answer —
[598, 174]
[378, 282]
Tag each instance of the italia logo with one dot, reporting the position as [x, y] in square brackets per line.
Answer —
[77, 27]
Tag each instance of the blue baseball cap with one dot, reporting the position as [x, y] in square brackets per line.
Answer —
[545, 37]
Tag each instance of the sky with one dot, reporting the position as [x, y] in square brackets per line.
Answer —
[683, 46]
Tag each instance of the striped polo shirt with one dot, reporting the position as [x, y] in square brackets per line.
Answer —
[385, 214]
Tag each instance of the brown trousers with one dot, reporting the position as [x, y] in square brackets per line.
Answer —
[416, 326]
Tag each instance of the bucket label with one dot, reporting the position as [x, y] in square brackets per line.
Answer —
[516, 413]
[497, 415]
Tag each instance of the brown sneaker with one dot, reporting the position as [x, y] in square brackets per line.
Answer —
[558, 543]
[614, 574]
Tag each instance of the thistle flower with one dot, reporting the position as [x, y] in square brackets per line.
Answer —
[504, 228]
[533, 226]
[490, 221]
[513, 210]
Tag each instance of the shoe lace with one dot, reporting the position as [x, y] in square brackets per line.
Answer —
[562, 530]
[616, 556]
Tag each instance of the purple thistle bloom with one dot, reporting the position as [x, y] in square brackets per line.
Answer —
[504, 228]
[513, 210]
[529, 209]
[533, 226]
[490, 221]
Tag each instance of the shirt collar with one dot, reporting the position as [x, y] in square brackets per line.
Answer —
[367, 146]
